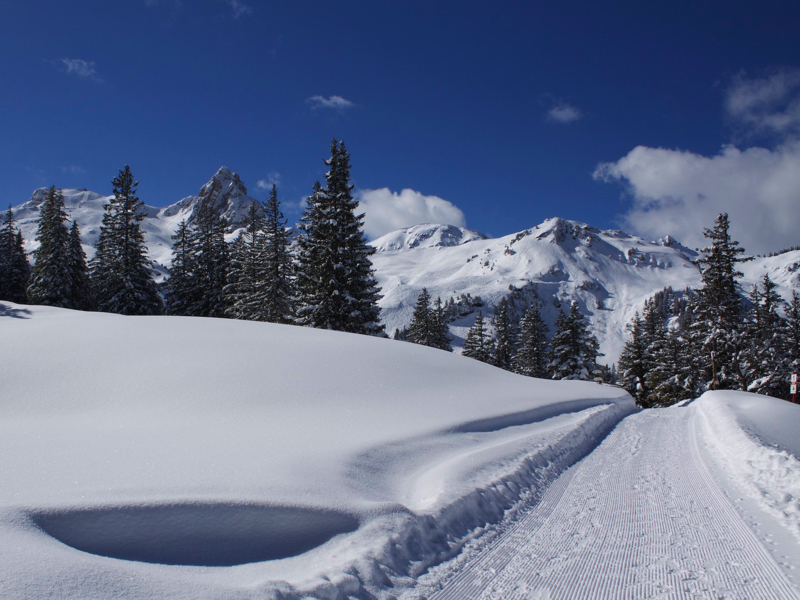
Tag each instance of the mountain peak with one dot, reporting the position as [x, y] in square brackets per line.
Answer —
[426, 235]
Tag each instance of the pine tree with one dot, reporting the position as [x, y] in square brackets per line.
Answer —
[505, 337]
[336, 284]
[672, 377]
[14, 267]
[276, 293]
[764, 361]
[49, 283]
[478, 343]
[793, 333]
[247, 270]
[421, 330]
[532, 356]
[574, 350]
[716, 334]
[179, 289]
[121, 278]
[210, 262]
[441, 327]
[80, 288]
[635, 362]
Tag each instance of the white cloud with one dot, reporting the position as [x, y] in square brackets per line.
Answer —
[273, 178]
[81, 68]
[563, 113]
[332, 102]
[768, 104]
[679, 193]
[386, 211]
[239, 8]
[73, 170]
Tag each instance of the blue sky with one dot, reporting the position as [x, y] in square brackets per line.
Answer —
[617, 114]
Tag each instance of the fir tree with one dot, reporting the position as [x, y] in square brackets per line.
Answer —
[421, 330]
[635, 362]
[505, 337]
[478, 343]
[14, 267]
[716, 334]
[336, 284]
[80, 288]
[247, 271]
[672, 377]
[210, 262]
[49, 283]
[276, 293]
[763, 363]
[180, 292]
[532, 356]
[120, 272]
[574, 350]
[441, 327]
[793, 332]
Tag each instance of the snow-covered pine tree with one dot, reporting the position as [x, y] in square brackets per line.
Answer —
[764, 362]
[336, 284]
[505, 334]
[80, 288]
[532, 356]
[716, 334]
[574, 350]
[276, 291]
[121, 279]
[478, 343]
[247, 271]
[441, 326]
[15, 269]
[179, 289]
[672, 375]
[49, 283]
[793, 333]
[635, 362]
[421, 329]
[210, 262]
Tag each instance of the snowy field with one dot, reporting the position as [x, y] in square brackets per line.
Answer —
[153, 457]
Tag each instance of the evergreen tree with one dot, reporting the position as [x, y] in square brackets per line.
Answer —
[716, 334]
[505, 337]
[80, 289]
[276, 293]
[532, 357]
[478, 343]
[210, 262]
[247, 270]
[180, 292]
[763, 364]
[635, 362]
[421, 330]
[793, 333]
[574, 350]
[672, 377]
[14, 267]
[336, 284]
[49, 283]
[121, 278]
[441, 327]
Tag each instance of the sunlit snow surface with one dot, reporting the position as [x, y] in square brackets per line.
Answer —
[167, 456]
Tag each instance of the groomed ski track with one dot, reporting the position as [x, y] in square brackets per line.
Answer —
[640, 517]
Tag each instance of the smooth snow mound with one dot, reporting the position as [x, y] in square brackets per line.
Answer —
[137, 452]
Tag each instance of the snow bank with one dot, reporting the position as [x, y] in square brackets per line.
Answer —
[145, 457]
[757, 440]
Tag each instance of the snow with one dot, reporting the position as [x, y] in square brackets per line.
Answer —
[146, 457]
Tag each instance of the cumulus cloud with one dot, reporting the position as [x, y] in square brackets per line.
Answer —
[679, 193]
[332, 102]
[273, 178]
[563, 113]
[386, 211]
[81, 68]
[766, 105]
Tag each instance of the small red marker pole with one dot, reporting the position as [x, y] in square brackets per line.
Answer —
[793, 388]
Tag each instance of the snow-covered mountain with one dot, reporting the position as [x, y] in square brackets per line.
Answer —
[225, 191]
[609, 272]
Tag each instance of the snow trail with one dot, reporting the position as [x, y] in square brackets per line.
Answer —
[640, 517]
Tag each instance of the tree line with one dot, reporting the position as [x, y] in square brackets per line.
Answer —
[327, 282]
[712, 338]
[521, 345]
